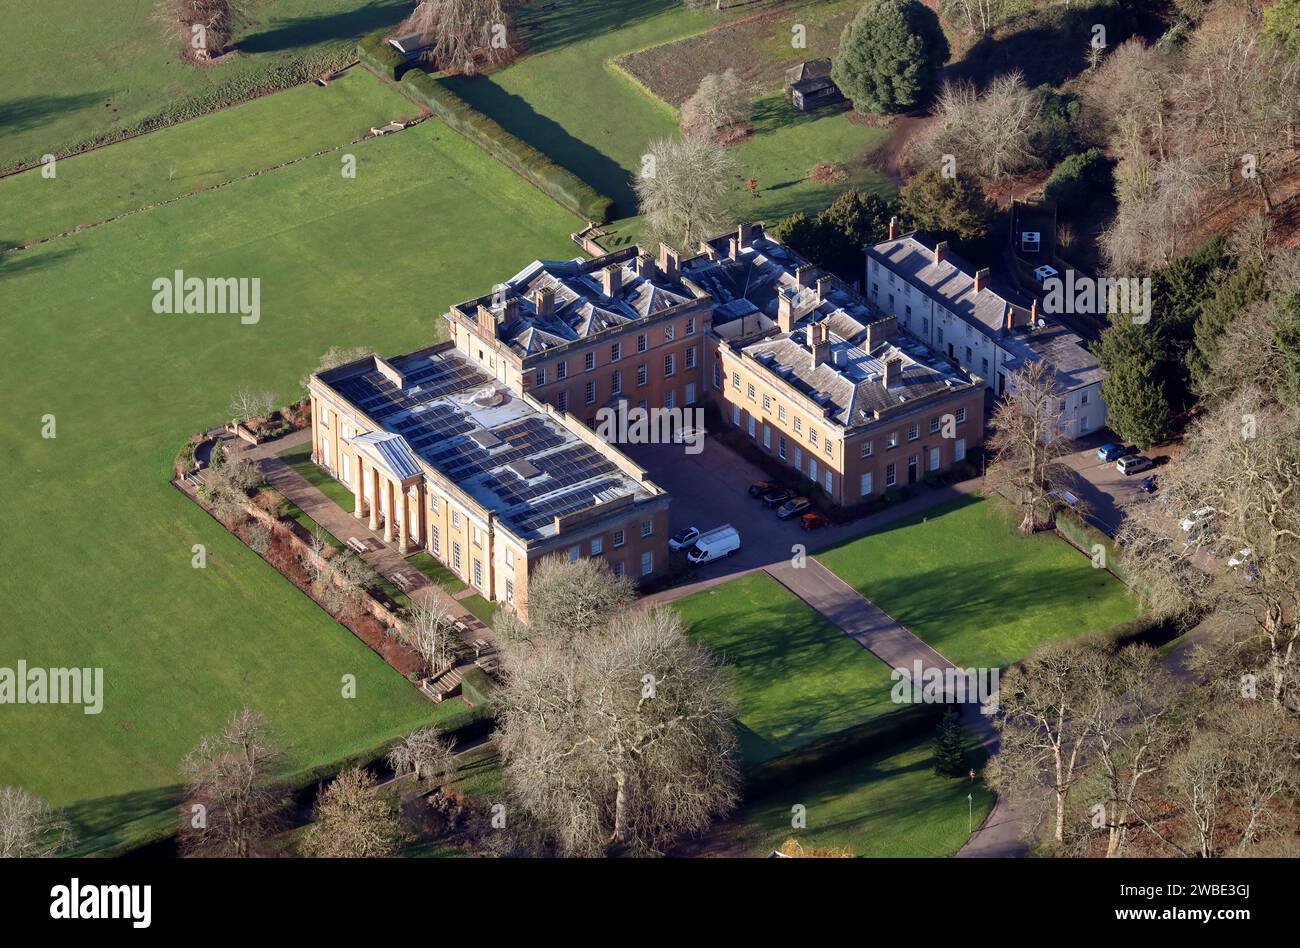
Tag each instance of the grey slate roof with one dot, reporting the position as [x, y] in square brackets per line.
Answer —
[849, 383]
[581, 306]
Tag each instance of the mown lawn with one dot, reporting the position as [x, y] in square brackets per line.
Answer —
[797, 677]
[888, 804]
[73, 72]
[961, 578]
[435, 571]
[95, 568]
[580, 108]
[299, 458]
[185, 158]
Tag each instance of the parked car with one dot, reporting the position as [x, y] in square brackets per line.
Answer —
[760, 488]
[792, 507]
[1196, 519]
[812, 521]
[777, 496]
[1065, 497]
[683, 538]
[1240, 558]
[1149, 484]
[1132, 463]
[1112, 452]
[714, 545]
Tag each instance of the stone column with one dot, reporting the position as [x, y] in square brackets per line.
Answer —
[373, 474]
[403, 526]
[315, 430]
[389, 504]
[358, 509]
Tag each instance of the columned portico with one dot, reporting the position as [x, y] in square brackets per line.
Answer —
[403, 528]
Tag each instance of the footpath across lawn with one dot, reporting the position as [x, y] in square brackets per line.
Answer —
[797, 677]
[960, 577]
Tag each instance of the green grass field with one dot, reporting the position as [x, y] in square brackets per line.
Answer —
[73, 72]
[961, 578]
[797, 677]
[589, 115]
[888, 804]
[95, 569]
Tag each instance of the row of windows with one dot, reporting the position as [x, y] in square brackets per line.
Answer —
[913, 432]
[616, 353]
[751, 394]
[642, 373]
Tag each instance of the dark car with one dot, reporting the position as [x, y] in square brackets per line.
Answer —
[1149, 484]
[760, 488]
[793, 507]
[777, 496]
[812, 521]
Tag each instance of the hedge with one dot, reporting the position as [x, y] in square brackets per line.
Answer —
[1084, 536]
[380, 58]
[849, 744]
[562, 185]
[476, 686]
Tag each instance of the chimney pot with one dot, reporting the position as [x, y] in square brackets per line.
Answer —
[893, 228]
[981, 279]
[544, 300]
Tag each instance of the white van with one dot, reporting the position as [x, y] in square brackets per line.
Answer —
[714, 545]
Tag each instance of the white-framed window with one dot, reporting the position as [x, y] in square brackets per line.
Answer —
[913, 431]
[510, 591]
[670, 365]
[864, 484]
[751, 426]
[541, 375]
[798, 425]
[561, 370]
[690, 357]
[670, 398]
[1083, 398]
[478, 536]
[325, 452]
[812, 470]
[934, 424]
[868, 448]
[647, 527]
[455, 519]
[749, 391]
[828, 447]
[690, 393]
[767, 437]
[798, 458]
[435, 541]
[934, 459]
[562, 401]
[478, 573]
[767, 403]
[812, 435]
[961, 415]
[641, 343]
[690, 326]
[617, 381]
[591, 392]
[455, 556]
[830, 479]
[597, 546]
[615, 351]
[735, 381]
[642, 377]
[959, 449]
[619, 538]
[618, 569]
[892, 440]
[891, 475]
[647, 563]
[780, 412]
[735, 415]
[780, 447]
[717, 374]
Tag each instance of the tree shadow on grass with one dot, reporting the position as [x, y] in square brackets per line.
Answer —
[17, 262]
[119, 820]
[551, 24]
[310, 30]
[549, 137]
[18, 115]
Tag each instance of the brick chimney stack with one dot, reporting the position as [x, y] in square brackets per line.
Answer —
[881, 331]
[611, 279]
[785, 309]
[1033, 313]
[893, 228]
[819, 343]
[745, 234]
[803, 274]
[940, 251]
[669, 263]
[981, 279]
[544, 300]
[1011, 319]
[893, 371]
[824, 285]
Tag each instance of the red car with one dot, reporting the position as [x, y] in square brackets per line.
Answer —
[812, 521]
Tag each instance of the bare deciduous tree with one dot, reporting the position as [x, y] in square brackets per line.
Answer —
[1128, 98]
[681, 189]
[203, 27]
[429, 631]
[1028, 443]
[461, 32]
[721, 102]
[30, 827]
[1048, 706]
[426, 753]
[230, 802]
[622, 736]
[353, 821]
[979, 16]
[990, 134]
[246, 405]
